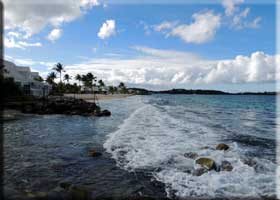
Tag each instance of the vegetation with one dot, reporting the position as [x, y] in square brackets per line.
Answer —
[87, 83]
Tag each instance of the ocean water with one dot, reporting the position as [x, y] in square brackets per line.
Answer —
[144, 141]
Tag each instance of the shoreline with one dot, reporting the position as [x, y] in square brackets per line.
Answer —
[100, 97]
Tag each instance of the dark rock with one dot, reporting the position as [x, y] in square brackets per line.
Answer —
[222, 146]
[199, 171]
[79, 192]
[207, 163]
[106, 113]
[226, 166]
[191, 155]
[250, 162]
[94, 153]
[65, 185]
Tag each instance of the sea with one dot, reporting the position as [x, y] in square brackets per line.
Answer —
[144, 145]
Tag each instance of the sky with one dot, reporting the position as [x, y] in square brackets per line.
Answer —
[227, 45]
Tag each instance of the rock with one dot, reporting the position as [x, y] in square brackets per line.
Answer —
[65, 185]
[106, 113]
[199, 171]
[226, 166]
[250, 162]
[207, 163]
[191, 155]
[78, 192]
[94, 153]
[222, 146]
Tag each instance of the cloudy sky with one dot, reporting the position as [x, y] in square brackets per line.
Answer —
[227, 45]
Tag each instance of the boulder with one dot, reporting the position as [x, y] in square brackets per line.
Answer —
[94, 153]
[199, 171]
[226, 166]
[222, 146]
[207, 163]
[191, 155]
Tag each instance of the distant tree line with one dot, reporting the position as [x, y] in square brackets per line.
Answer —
[87, 83]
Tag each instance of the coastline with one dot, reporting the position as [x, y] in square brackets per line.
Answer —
[100, 97]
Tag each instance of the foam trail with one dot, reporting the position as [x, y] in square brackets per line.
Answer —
[150, 139]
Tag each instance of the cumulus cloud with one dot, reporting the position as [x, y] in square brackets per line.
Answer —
[54, 34]
[107, 29]
[156, 67]
[31, 16]
[201, 30]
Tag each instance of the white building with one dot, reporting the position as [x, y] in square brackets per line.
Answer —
[26, 79]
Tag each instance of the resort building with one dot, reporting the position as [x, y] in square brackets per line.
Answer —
[26, 79]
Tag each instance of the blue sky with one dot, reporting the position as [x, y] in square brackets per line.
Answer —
[228, 46]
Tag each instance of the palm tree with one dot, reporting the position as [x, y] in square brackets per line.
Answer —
[67, 78]
[50, 78]
[38, 78]
[59, 68]
[121, 85]
[78, 77]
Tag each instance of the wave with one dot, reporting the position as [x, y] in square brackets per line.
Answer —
[151, 139]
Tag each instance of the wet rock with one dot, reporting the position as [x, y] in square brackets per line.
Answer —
[191, 155]
[79, 192]
[66, 106]
[222, 146]
[94, 153]
[199, 171]
[65, 185]
[226, 166]
[250, 162]
[207, 163]
[106, 113]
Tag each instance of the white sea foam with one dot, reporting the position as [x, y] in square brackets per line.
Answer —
[150, 139]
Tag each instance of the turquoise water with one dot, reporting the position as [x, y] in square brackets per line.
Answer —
[144, 141]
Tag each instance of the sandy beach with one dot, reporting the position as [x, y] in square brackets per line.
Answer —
[100, 97]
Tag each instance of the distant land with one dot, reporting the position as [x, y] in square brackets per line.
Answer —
[142, 91]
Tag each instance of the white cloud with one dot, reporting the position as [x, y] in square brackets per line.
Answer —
[107, 29]
[10, 42]
[31, 16]
[238, 17]
[155, 67]
[54, 34]
[230, 6]
[201, 30]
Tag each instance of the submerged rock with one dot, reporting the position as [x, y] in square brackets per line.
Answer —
[226, 166]
[106, 113]
[207, 163]
[199, 171]
[222, 146]
[191, 155]
[250, 162]
[94, 153]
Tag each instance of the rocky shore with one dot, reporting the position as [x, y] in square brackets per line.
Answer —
[58, 105]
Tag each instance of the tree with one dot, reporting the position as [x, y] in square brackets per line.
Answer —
[67, 78]
[121, 85]
[38, 78]
[88, 80]
[101, 85]
[59, 68]
[50, 78]
[78, 77]
[111, 89]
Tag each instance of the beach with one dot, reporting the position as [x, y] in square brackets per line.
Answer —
[100, 97]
